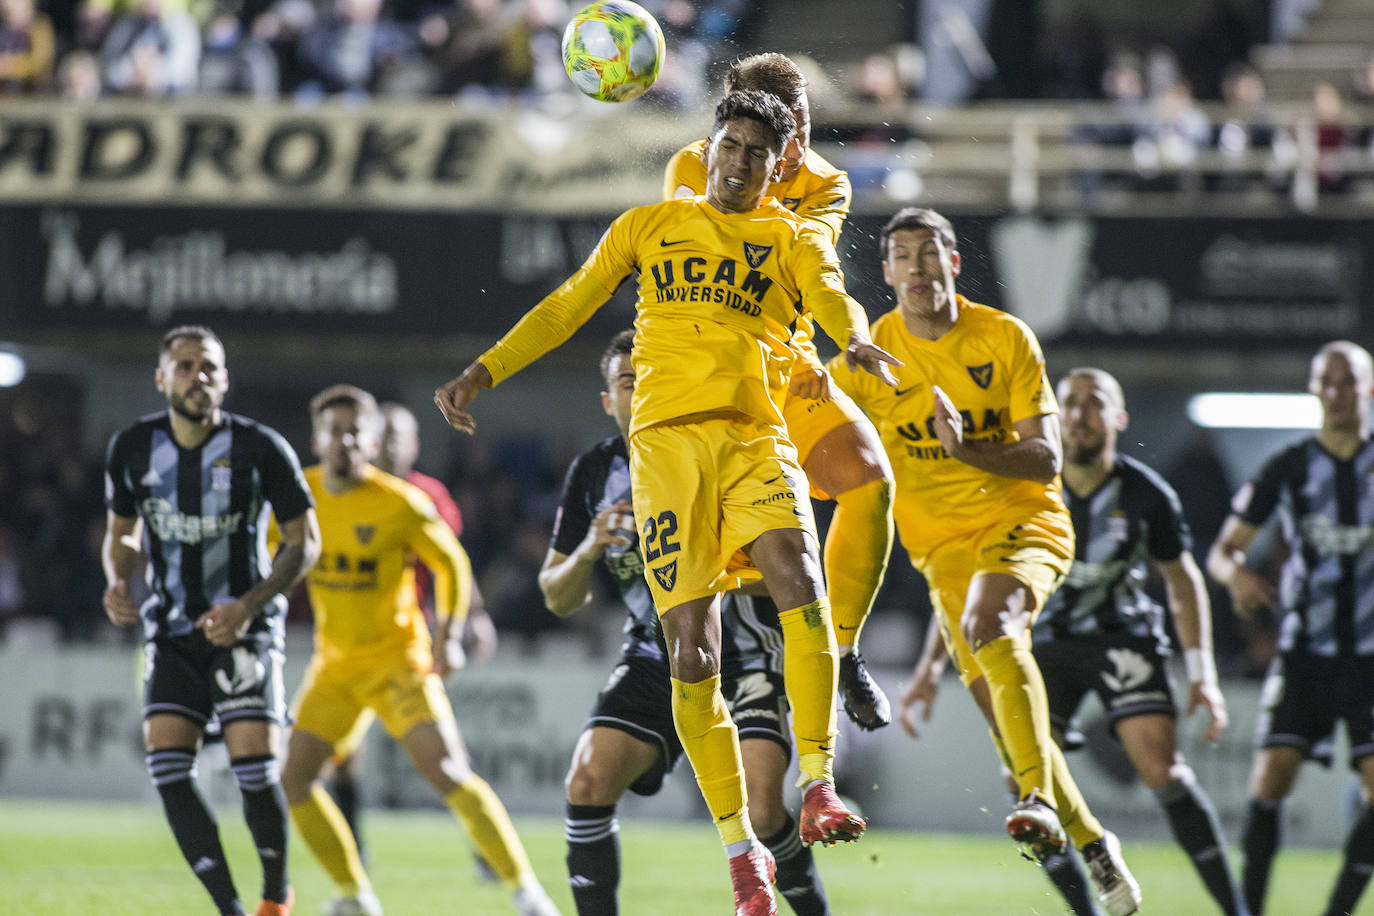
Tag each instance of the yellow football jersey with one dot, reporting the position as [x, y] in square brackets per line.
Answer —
[819, 193]
[719, 295]
[992, 368]
[362, 590]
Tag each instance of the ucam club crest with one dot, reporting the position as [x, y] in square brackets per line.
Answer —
[666, 575]
[755, 255]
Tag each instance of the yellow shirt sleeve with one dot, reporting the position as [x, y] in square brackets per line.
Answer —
[567, 308]
[433, 542]
[827, 205]
[817, 269]
[1031, 393]
[685, 175]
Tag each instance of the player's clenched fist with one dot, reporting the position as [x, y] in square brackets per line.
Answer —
[119, 607]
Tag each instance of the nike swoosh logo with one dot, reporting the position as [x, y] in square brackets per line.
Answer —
[664, 243]
[901, 391]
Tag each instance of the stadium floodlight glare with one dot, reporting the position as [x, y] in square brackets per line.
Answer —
[1246, 410]
[12, 369]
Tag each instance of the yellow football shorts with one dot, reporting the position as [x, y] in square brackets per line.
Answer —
[703, 491]
[401, 688]
[809, 419]
[1037, 551]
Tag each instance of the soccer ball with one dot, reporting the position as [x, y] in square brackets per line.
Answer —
[613, 50]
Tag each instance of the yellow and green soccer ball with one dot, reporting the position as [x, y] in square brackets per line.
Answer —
[613, 50]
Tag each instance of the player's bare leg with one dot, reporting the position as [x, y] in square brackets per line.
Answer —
[605, 762]
[849, 464]
[436, 749]
[692, 633]
[788, 560]
[1151, 741]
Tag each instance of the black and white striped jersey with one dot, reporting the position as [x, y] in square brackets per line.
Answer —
[1326, 509]
[204, 514]
[1134, 516]
[599, 478]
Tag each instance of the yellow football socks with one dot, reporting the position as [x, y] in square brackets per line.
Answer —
[810, 670]
[1021, 709]
[321, 824]
[1078, 822]
[711, 742]
[856, 551]
[489, 826]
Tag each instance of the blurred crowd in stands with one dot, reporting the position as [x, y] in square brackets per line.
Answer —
[52, 522]
[313, 48]
[1167, 106]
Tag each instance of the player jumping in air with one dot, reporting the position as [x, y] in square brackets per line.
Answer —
[973, 433]
[838, 447]
[717, 489]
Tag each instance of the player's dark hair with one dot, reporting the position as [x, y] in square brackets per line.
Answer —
[763, 107]
[770, 72]
[345, 396]
[187, 332]
[917, 218]
[621, 344]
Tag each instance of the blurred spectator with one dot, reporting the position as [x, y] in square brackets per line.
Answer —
[1331, 135]
[877, 81]
[1364, 82]
[281, 26]
[1123, 88]
[153, 51]
[1176, 130]
[1222, 37]
[95, 18]
[1247, 128]
[233, 62]
[1161, 70]
[354, 50]
[78, 77]
[481, 43]
[27, 48]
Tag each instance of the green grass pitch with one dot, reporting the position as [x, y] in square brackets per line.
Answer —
[91, 859]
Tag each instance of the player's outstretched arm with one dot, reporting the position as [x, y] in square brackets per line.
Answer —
[455, 397]
[1192, 612]
[925, 682]
[120, 554]
[1037, 454]
[1250, 592]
